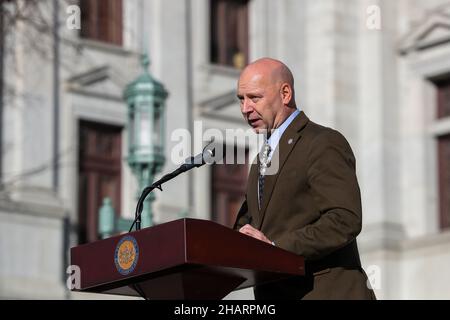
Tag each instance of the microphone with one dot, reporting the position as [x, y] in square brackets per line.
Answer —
[199, 160]
[202, 158]
[205, 157]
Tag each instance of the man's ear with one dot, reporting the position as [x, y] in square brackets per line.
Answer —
[286, 93]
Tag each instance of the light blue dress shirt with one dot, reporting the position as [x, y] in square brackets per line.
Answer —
[276, 135]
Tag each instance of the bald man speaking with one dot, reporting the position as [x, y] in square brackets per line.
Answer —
[311, 205]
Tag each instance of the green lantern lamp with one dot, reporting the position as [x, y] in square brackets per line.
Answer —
[146, 99]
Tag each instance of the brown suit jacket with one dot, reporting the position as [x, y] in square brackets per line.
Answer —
[311, 207]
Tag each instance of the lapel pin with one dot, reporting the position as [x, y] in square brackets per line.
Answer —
[290, 141]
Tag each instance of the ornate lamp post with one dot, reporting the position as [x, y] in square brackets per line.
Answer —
[146, 98]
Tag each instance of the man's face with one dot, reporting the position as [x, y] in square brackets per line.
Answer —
[259, 99]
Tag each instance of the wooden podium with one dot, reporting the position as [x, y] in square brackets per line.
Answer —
[182, 259]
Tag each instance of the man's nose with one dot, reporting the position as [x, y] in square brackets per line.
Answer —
[246, 106]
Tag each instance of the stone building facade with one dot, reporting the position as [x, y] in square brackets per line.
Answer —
[376, 70]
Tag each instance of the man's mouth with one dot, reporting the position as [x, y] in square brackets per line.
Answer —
[253, 122]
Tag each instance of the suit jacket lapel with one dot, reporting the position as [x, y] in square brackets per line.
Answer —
[287, 143]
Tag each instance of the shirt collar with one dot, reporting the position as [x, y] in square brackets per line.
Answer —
[277, 133]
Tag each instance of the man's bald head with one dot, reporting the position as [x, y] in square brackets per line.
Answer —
[274, 70]
[266, 93]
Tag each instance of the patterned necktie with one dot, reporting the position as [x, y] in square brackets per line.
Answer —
[263, 163]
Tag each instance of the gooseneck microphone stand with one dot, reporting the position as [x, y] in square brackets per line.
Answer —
[192, 162]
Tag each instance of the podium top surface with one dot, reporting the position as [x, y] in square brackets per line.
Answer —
[178, 247]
